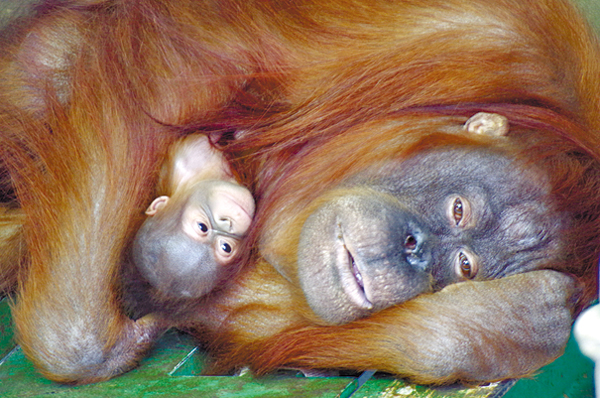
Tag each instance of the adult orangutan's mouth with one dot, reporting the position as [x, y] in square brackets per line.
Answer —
[353, 282]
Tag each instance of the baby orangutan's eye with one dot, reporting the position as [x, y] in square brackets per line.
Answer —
[226, 247]
[203, 227]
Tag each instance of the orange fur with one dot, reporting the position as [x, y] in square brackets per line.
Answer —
[96, 91]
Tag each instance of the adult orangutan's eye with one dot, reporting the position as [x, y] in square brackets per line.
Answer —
[458, 210]
[465, 265]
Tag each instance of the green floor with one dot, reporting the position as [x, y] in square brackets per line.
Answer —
[173, 368]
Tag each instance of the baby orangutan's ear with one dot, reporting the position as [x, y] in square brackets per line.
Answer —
[490, 124]
[156, 205]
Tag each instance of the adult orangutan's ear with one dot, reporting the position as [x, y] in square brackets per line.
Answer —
[490, 124]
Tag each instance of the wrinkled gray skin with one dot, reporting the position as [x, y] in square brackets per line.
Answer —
[401, 232]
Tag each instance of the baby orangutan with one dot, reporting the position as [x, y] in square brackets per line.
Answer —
[184, 248]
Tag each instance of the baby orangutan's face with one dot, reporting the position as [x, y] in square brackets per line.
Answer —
[218, 213]
[186, 245]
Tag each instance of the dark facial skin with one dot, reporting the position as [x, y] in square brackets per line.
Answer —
[416, 226]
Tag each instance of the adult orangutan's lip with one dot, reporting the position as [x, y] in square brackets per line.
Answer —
[356, 272]
[352, 279]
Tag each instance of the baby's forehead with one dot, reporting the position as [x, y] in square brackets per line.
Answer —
[194, 192]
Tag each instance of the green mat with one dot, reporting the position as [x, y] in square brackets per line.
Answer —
[174, 367]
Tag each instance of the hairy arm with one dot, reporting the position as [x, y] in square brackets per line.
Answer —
[12, 247]
[471, 332]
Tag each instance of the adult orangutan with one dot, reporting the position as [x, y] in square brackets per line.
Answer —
[390, 234]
